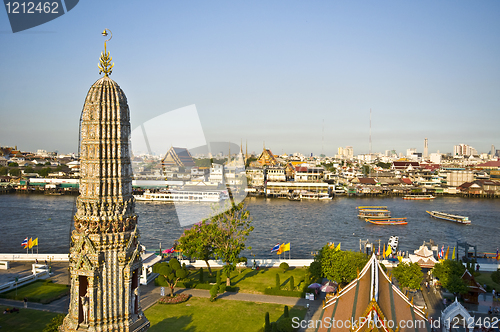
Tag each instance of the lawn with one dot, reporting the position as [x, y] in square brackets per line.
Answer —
[201, 315]
[28, 320]
[42, 291]
[485, 278]
[255, 281]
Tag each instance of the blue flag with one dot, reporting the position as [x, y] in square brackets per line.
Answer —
[275, 248]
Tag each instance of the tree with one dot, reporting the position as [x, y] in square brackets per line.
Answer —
[13, 164]
[44, 171]
[229, 231]
[495, 276]
[197, 242]
[284, 266]
[172, 272]
[14, 171]
[449, 273]
[4, 171]
[29, 169]
[341, 266]
[409, 275]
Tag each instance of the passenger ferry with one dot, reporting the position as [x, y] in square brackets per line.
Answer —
[388, 221]
[374, 214]
[419, 197]
[450, 217]
[210, 196]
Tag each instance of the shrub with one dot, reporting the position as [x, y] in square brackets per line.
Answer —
[217, 277]
[53, 325]
[274, 327]
[495, 276]
[282, 292]
[286, 313]
[267, 325]
[174, 300]
[222, 288]
[213, 292]
[292, 283]
[278, 282]
[201, 275]
[284, 266]
[284, 324]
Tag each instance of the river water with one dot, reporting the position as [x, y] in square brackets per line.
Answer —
[306, 225]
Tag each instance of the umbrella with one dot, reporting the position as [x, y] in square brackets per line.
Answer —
[331, 283]
[328, 289]
[315, 285]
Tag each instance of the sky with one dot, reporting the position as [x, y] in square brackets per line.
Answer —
[300, 76]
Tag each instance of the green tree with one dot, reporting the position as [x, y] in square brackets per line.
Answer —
[45, 171]
[409, 275]
[14, 172]
[278, 282]
[13, 164]
[4, 170]
[449, 273]
[29, 169]
[197, 242]
[384, 165]
[47, 163]
[292, 283]
[229, 231]
[172, 272]
[53, 325]
[341, 266]
[284, 266]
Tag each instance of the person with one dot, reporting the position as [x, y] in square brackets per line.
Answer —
[36, 261]
[25, 302]
[477, 267]
[493, 293]
[490, 311]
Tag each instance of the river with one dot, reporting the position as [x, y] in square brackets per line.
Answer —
[306, 225]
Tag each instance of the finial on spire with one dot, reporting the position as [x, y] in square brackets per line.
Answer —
[105, 64]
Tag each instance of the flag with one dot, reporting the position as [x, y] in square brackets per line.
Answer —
[497, 254]
[378, 252]
[280, 250]
[453, 254]
[35, 242]
[25, 242]
[286, 247]
[400, 259]
[441, 253]
[338, 247]
[389, 251]
[332, 246]
[447, 252]
[275, 248]
[383, 252]
[30, 244]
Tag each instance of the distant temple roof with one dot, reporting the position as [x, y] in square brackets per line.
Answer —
[178, 157]
[267, 158]
[372, 297]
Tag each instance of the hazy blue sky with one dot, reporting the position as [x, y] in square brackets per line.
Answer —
[266, 70]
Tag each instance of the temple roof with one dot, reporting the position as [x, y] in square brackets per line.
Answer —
[179, 157]
[371, 298]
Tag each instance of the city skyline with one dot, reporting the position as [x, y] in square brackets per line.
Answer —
[300, 77]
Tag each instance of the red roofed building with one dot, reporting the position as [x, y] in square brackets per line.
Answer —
[494, 164]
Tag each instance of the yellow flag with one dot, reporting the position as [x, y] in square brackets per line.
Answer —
[286, 247]
[453, 254]
[35, 242]
[400, 259]
[338, 247]
[280, 250]
[332, 246]
[30, 243]
[389, 251]
[383, 252]
[447, 252]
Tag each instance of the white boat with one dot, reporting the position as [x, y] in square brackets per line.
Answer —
[419, 197]
[314, 195]
[209, 196]
[450, 217]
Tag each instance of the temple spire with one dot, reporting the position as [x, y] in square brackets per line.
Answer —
[105, 65]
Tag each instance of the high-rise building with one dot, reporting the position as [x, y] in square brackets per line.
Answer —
[426, 149]
[105, 260]
[464, 150]
[492, 152]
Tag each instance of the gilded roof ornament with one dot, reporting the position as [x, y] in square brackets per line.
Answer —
[105, 64]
